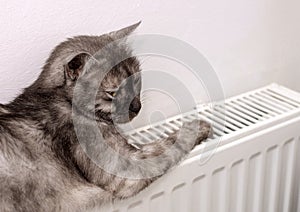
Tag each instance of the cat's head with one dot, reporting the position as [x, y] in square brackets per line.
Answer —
[118, 95]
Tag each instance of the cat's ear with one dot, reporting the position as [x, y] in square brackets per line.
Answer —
[125, 31]
[75, 66]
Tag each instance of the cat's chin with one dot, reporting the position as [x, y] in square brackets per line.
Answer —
[123, 119]
[110, 119]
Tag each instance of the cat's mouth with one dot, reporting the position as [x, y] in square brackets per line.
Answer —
[121, 114]
[108, 117]
[120, 118]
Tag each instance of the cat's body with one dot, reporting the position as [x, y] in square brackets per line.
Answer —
[43, 167]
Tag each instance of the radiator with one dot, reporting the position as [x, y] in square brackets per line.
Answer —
[249, 164]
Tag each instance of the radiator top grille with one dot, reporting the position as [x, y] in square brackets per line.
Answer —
[232, 115]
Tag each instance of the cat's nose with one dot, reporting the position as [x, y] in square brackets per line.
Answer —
[135, 105]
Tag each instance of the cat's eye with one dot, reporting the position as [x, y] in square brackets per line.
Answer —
[111, 94]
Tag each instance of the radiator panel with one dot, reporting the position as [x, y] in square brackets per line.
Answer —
[253, 169]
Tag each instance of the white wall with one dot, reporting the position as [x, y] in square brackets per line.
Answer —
[249, 43]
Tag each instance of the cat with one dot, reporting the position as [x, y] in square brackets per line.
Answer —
[43, 167]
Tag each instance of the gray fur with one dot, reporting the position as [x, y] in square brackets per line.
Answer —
[42, 165]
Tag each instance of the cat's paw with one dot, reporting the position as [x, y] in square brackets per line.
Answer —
[202, 129]
[205, 131]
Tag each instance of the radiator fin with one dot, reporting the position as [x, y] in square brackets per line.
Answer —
[271, 180]
[254, 183]
[237, 182]
[199, 194]
[157, 202]
[179, 198]
[218, 203]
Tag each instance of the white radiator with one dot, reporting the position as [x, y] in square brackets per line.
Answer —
[250, 164]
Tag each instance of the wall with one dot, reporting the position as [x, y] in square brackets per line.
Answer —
[249, 43]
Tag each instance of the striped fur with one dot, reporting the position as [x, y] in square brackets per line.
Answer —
[43, 167]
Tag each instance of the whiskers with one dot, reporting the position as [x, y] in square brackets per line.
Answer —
[143, 60]
[144, 97]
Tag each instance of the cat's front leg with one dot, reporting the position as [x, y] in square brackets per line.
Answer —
[190, 135]
[152, 160]
[127, 170]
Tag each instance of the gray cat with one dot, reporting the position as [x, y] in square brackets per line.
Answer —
[43, 167]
